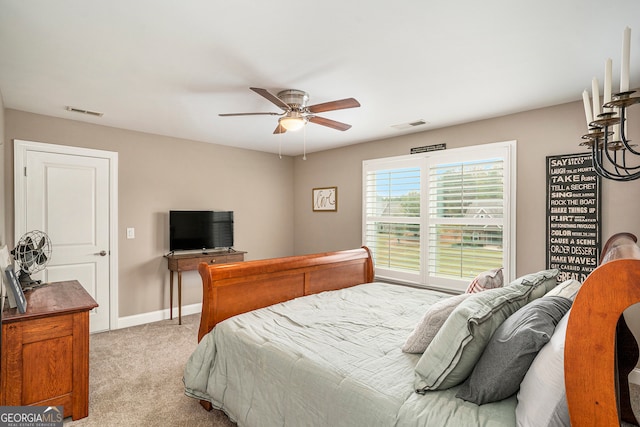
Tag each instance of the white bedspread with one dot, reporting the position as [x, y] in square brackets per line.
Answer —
[331, 359]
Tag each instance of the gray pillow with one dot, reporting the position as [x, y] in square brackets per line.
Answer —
[511, 350]
[430, 324]
[458, 345]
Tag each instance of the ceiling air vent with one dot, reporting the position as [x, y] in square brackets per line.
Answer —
[82, 111]
[410, 125]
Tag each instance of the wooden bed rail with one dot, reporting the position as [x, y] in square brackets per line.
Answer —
[591, 378]
[230, 289]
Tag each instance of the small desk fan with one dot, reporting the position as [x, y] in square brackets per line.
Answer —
[32, 253]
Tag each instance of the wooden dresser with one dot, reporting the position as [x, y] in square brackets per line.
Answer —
[189, 262]
[45, 351]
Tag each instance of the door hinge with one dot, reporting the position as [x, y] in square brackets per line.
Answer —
[25, 171]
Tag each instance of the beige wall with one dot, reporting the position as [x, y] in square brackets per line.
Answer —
[157, 174]
[3, 240]
[539, 133]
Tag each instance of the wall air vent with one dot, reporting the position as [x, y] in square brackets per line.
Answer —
[409, 125]
[82, 111]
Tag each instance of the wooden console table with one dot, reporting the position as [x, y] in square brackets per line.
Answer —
[45, 351]
[187, 262]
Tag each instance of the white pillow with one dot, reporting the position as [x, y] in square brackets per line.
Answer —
[542, 400]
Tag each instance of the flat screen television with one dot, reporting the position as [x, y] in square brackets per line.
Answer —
[189, 230]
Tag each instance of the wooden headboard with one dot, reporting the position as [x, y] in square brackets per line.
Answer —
[591, 379]
[230, 289]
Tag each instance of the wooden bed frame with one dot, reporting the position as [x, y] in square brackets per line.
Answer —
[230, 289]
[595, 327]
[596, 331]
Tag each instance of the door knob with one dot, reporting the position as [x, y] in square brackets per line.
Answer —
[101, 253]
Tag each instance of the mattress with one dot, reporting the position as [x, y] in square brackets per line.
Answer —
[330, 359]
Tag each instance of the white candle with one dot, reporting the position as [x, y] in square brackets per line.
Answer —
[626, 56]
[607, 82]
[587, 107]
[595, 89]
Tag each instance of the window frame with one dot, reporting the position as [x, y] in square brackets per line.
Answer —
[505, 150]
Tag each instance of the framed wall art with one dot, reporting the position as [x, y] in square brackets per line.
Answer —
[574, 216]
[324, 199]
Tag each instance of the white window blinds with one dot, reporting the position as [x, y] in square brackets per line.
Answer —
[440, 218]
[466, 218]
[392, 204]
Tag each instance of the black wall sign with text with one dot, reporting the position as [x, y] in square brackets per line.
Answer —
[428, 148]
[573, 216]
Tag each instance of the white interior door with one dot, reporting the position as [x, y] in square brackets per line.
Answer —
[67, 194]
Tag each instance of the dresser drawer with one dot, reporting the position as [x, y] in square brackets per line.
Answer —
[235, 258]
[191, 263]
[47, 328]
[218, 259]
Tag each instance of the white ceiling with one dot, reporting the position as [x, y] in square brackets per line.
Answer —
[170, 67]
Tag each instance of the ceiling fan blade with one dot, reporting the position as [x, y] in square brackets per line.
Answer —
[248, 114]
[334, 105]
[271, 97]
[279, 129]
[329, 123]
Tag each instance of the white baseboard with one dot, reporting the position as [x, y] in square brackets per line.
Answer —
[634, 376]
[156, 316]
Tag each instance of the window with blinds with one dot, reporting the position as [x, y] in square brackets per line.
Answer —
[441, 218]
[392, 224]
[466, 218]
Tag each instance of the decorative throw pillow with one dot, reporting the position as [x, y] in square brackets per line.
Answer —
[430, 324]
[511, 350]
[542, 401]
[568, 289]
[486, 280]
[546, 287]
[457, 346]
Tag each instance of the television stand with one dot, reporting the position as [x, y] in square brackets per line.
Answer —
[189, 262]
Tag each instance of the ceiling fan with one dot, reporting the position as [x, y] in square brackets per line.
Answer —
[296, 113]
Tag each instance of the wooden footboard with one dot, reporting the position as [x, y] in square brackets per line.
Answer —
[591, 361]
[230, 289]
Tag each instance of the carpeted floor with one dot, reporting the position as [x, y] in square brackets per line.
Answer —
[135, 378]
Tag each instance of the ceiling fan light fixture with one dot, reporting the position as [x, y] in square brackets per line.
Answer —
[295, 112]
[292, 122]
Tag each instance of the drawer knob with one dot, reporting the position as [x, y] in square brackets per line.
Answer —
[213, 261]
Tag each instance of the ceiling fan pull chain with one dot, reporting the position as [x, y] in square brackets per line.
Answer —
[304, 143]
